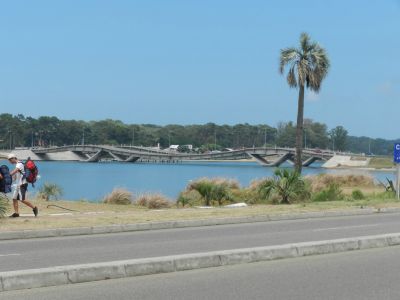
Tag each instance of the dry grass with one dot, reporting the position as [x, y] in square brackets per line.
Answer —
[119, 196]
[153, 201]
[228, 182]
[322, 181]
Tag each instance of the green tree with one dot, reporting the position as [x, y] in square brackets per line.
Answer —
[308, 66]
[338, 137]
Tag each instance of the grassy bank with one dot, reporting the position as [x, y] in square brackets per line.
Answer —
[93, 214]
[381, 163]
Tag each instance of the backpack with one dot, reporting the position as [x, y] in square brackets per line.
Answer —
[31, 171]
[6, 182]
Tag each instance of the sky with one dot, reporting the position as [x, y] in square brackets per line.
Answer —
[199, 61]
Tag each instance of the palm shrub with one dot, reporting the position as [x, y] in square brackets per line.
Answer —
[3, 205]
[288, 185]
[204, 188]
[214, 189]
[308, 66]
[221, 193]
[189, 198]
[49, 190]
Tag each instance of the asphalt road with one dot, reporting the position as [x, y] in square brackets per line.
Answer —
[363, 275]
[40, 253]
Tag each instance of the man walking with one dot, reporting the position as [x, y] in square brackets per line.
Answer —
[21, 186]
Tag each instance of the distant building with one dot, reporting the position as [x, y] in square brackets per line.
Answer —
[173, 147]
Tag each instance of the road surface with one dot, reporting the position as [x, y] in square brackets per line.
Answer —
[47, 252]
[358, 275]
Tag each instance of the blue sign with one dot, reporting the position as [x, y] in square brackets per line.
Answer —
[396, 153]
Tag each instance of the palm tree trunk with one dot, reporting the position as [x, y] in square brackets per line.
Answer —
[299, 130]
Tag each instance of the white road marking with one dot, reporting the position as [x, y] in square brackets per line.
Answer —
[10, 254]
[347, 227]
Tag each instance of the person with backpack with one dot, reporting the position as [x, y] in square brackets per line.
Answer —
[21, 188]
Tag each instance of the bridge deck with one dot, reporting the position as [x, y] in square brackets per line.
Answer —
[92, 153]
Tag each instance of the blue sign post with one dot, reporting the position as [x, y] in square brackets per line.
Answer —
[396, 159]
[396, 153]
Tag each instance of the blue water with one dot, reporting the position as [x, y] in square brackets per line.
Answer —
[91, 181]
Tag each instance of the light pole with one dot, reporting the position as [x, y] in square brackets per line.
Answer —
[32, 140]
[369, 146]
[133, 136]
[83, 136]
[265, 137]
[10, 138]
[305, 138]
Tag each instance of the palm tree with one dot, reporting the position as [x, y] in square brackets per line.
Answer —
[308, 66]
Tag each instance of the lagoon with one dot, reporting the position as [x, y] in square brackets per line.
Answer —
[92, 181]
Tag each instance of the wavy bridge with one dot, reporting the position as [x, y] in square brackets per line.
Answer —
[265, 156]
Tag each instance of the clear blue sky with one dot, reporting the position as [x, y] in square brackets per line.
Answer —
[198, 61]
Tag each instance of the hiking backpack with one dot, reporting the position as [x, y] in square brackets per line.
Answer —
[31, 171]
[6, 182]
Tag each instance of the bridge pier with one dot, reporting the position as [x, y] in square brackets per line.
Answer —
[95, 157]
[310, 160]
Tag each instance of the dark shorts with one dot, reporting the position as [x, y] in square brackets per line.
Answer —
[20, 192]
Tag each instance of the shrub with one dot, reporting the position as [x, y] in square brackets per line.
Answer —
[331, 193]
[119, 196]
[49, 190]
[288, 185]
[214, 189]
[153, 201]
[3, 205]
[357, 195]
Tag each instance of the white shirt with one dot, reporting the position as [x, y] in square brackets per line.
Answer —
[19, 176]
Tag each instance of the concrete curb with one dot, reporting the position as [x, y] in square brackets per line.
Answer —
[59, 232]
[34, 278]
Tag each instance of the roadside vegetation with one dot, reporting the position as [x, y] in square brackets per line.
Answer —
[119, 196]
[153, 201]
[285, 187]
[49, 190]
[3, 205]
[263, 196]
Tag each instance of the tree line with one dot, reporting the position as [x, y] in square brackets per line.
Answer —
[21, 131]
